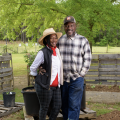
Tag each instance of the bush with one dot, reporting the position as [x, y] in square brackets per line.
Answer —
[29, 58]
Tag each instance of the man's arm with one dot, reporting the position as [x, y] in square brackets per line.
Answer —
[86, 58]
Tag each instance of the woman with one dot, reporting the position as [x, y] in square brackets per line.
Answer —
[47, 84]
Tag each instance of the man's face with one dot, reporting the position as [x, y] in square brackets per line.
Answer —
[70, 29]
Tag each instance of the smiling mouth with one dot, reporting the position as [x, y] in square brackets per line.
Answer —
[70, 31]
[54, 43]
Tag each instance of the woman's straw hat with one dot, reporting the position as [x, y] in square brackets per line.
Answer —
[47, 32]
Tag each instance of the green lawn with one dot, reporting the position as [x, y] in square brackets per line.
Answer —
[102, 108]
[19, 65]
[111, 50]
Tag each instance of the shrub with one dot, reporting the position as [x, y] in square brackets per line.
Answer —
[29, 58]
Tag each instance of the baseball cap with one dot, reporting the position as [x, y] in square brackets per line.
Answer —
[69, 19]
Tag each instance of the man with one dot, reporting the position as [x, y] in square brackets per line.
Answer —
[76, 56]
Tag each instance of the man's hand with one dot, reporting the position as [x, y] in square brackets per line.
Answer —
[41, 71]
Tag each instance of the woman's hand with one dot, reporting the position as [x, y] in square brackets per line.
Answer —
[41, 70]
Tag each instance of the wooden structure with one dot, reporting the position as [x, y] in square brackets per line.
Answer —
[31, 80]
[86, 113]
[105, 69]
[8, 110]
[6, 73]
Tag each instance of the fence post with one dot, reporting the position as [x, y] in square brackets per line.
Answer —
[116, 75]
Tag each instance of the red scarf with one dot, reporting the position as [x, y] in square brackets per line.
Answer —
[53, 49]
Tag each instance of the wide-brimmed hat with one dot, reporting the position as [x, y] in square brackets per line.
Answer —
[47, 32]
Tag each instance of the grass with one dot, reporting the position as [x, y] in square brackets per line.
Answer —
[102, 108]
[19, 65]
[98, 49]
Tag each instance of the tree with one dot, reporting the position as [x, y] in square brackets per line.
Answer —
[36, 15]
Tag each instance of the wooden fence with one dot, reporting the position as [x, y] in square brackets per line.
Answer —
[105, 69]
[6, 73]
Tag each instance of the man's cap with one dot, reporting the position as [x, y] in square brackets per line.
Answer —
[69, 19]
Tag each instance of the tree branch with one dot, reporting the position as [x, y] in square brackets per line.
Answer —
[57, 11]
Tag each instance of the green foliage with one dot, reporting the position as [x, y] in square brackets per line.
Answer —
[115, 42]
[100, 83]
[29, 58]
[104, 41]
[33, 16]
[7, 93]
[93, 86]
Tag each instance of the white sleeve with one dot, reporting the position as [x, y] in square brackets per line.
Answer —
[39, 59]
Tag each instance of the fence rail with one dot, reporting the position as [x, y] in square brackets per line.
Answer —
[105, 69]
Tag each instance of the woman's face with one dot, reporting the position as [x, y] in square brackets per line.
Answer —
[53, 40]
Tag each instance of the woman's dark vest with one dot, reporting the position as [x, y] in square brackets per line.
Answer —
[44, 80]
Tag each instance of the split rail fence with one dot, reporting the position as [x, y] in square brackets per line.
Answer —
[105, 69]
[6, 73]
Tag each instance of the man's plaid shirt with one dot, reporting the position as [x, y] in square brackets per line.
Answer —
[76, 55]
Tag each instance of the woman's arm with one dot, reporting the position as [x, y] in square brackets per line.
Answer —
[39, 59]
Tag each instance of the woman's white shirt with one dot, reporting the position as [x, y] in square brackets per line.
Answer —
[39, 59]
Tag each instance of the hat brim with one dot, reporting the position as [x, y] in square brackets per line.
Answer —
[40, 41]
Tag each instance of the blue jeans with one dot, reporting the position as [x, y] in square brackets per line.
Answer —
[71, 98]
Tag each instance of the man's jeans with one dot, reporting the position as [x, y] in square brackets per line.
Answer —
[71, 98]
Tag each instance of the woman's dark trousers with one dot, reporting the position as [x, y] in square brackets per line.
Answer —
[46, 96]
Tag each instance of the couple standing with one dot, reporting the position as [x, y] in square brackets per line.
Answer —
[65, 66]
